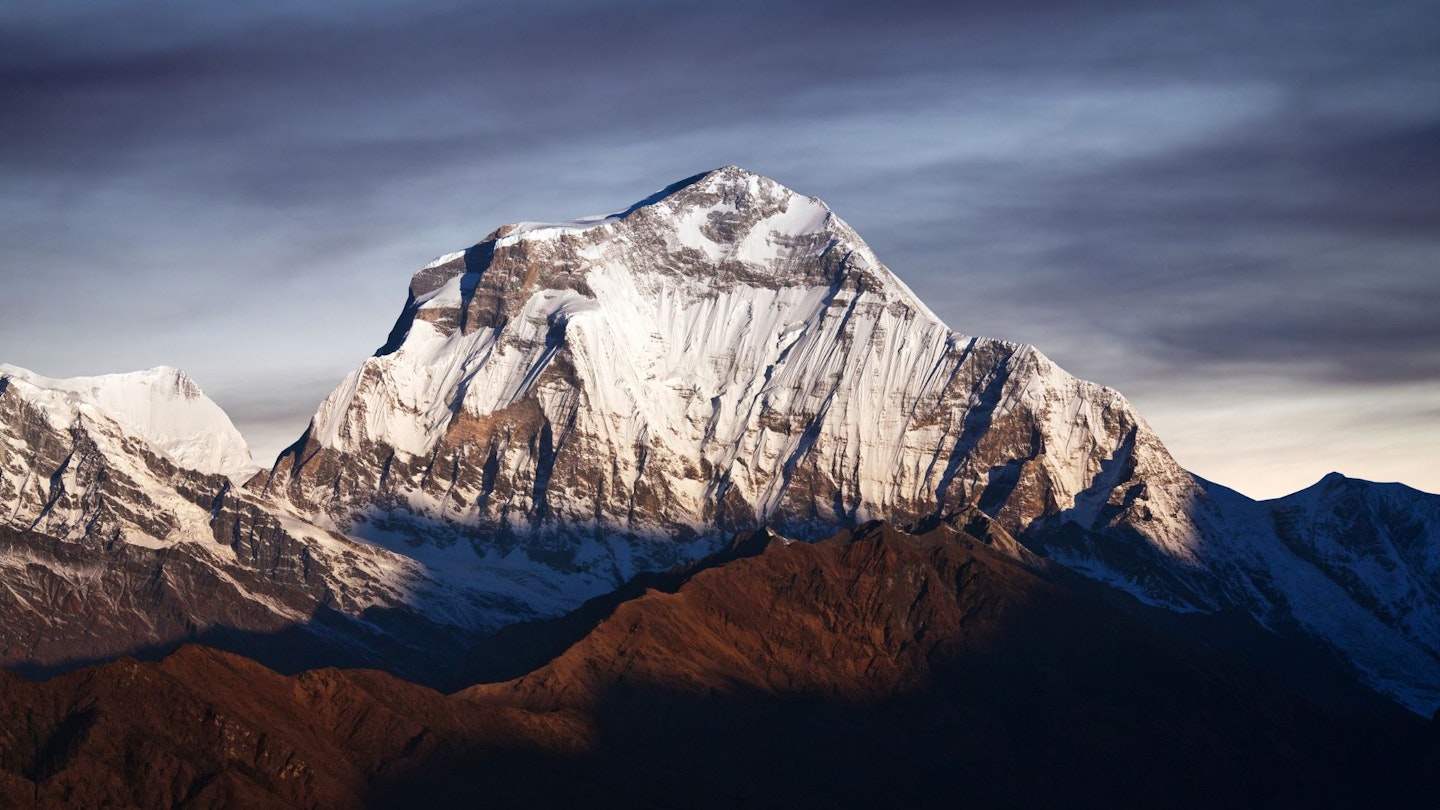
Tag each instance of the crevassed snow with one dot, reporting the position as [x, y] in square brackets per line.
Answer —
[162, 406]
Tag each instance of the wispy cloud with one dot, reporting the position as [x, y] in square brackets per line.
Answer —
[1151, 192]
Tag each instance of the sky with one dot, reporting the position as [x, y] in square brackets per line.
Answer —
[1230, 211]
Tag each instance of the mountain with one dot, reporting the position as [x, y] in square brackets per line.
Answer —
[123, 529]
[161, 406]
[204, 728]
[1349, 563]
[581, 401]
[1381, 539]
[562, 406]
[874, 668]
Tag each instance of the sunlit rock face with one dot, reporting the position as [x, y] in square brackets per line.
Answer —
[622, 392]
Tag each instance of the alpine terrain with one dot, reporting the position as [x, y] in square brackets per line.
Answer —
[700, 481]
[123, 528]
[561, 406]
[872, 669]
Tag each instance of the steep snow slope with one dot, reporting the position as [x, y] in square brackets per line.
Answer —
[1380, 545]
[1348, 563]
[1385, 538]
[160, 405]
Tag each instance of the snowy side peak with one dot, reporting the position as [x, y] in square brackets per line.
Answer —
[160, 378]
[1335, 484]
[161, 406]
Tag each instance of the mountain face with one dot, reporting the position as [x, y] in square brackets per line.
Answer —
[1349, 563]
[1381, 539]
[161, 406]
[122, 528]
[871, 669]
[562, 406]
[620, 393]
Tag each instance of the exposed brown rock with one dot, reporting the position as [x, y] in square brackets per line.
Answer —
[873, 669]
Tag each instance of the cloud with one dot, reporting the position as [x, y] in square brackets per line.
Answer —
[1286, 243]
[1147, 191]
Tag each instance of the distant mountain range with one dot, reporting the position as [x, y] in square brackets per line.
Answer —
[563, 409]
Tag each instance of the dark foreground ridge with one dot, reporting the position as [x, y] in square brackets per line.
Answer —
[873, 669]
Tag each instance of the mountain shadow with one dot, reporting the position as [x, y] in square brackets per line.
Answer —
[876, 668]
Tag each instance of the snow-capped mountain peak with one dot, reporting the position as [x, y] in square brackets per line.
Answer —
[563, 405]
[161, 406]
[724, 354]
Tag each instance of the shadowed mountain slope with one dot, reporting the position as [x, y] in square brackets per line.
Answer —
[872, 669]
